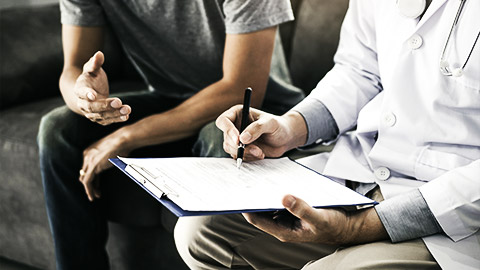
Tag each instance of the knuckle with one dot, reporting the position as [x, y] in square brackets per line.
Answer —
[89, 107]
[256, 126]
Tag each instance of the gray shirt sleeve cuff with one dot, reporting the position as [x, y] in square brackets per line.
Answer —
[407, 217]
[321, 125]
[82, 13]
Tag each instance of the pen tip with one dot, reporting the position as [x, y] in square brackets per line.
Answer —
[239, 163]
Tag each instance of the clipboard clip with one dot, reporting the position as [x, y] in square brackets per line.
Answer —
[149, 180]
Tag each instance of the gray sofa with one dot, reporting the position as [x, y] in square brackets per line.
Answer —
[31, 62]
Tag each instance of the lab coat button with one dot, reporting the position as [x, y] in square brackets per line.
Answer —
[390, 119]
[415, 42]
[382, 173]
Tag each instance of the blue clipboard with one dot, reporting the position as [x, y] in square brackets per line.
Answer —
[173, 207]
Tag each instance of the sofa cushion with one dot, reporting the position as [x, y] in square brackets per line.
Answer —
[24, 230]
[315, 40]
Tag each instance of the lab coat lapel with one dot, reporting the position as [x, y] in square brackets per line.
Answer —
[431, 10]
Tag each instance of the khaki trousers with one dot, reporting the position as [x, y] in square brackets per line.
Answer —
[229, 242]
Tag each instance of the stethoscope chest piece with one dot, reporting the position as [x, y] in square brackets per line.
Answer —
[445, 69]
[411, 8]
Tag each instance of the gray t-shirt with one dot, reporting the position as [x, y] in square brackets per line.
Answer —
[178, 45]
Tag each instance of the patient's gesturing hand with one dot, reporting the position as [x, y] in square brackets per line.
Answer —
[92, 91]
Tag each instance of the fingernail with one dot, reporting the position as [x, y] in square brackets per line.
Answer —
[90, 96]
[289, 201]
[123, 118]
[115, 103]
[124, 110]
[245, 137]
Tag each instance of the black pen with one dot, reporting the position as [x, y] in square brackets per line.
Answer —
[243, 125]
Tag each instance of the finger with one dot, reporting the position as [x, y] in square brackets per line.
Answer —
[101, 105]
[88, 184]
[230, 149]
[108, 121]
[299, 208]
[268, 225]
[85, 175]
[253, 152]
[114, 114]
[225, 122]
[94, 64]
[81, 174]
[230, 140]
[263, 222]
[263, 125]
[86, 93]
[83, 171]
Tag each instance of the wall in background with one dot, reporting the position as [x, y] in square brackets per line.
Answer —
[22, 3]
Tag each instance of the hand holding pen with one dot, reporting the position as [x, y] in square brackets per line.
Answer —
[267, 136]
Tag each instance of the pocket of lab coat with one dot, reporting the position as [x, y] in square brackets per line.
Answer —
[433, 163]
[461, 95]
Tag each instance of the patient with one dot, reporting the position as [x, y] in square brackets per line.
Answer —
[196, 57]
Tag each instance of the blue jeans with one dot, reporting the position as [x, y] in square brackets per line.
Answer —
[79, 227]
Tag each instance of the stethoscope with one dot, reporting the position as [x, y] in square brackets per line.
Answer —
[413, 9]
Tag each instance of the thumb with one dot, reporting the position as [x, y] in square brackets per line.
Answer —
[95, 63]
[298, 208]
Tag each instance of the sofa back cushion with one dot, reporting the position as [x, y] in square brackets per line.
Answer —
[31, 49]
[312, 43]
[31, 55]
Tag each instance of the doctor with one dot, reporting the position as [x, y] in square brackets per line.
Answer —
[407, 75]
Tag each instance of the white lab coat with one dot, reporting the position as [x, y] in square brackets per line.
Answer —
[387, 79]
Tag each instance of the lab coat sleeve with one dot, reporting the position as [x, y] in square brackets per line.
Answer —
[321, 126]
[454, 199]
[407, 216]
[354, 80]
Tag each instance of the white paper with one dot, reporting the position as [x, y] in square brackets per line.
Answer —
[215, 184]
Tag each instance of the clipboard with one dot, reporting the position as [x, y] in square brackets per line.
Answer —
[162, 196]
[164, 193]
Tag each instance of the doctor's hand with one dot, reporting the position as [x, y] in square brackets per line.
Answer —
[267, 135]
[95, 160]
[92, 91]
[326, 226]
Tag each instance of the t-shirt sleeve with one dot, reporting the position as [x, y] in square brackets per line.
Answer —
[253, 15]
[82, 12]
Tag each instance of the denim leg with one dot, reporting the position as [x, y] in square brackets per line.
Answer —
[78, 227]
[209, 142]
